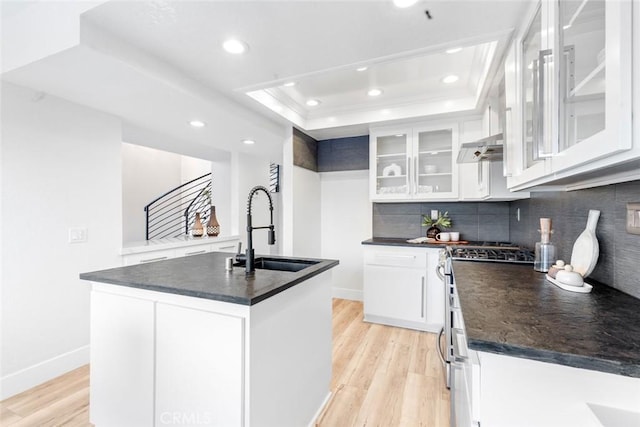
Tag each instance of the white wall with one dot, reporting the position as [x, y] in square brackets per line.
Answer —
[60, 169]
[148, 173]
[345, 223]
[192, 167]
[247, 172]
[306, 213]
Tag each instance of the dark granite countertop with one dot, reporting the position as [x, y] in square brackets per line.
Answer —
[204, 276]
[388, 241]
[511, 309]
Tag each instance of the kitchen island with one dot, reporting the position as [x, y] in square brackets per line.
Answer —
[184, 342]
[543, 356]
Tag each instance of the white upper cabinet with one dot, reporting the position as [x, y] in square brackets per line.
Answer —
[594, 80]
[567, 76]
[414, 163]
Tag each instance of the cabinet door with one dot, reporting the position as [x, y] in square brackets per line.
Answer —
[435, 292]
[390, 164]
[199, 367]
[395, 293]
[535, 109]
[122, 351]
[595, 77]
[435, 171]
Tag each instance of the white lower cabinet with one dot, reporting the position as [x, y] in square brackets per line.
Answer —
[199, 367]
[400, 289]
[161, 359]
[145, 257]
[528, 393]
[122, 345]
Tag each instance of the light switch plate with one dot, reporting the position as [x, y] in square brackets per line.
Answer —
[633, 218]
[77, 235]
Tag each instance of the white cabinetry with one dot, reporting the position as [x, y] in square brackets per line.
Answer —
[546, 394]
[416, 163]
[568, 76]
[122, 344]
[152, 251]
[484, 180]
[401, 287]
[162, 359]
[199, 367]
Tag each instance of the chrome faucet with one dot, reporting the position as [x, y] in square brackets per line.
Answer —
[250, 256]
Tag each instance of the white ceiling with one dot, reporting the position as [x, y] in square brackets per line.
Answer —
[176, 46]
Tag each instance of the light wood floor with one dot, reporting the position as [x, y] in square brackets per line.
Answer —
[382, 376]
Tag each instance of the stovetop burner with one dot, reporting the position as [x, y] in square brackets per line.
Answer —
[496, 253]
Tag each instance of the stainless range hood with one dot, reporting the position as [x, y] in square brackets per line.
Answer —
[485, 149]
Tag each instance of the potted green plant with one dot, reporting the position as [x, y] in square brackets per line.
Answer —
[435, 225]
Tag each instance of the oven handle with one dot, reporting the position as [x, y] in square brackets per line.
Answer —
[440, 351]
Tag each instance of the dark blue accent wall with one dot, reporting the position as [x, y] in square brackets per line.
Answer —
[343, 154]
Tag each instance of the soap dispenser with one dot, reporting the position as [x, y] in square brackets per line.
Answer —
[545, 253]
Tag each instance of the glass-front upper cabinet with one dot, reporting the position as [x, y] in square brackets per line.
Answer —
[570, 88]
[582, 79]
[595, 80]
[537, 76]
[414, 163]
[391, 152]
[435, 159]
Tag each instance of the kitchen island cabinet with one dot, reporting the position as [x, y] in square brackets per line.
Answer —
[541, 356]
[185, 342]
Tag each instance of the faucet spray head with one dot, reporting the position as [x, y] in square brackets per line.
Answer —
[272, 236]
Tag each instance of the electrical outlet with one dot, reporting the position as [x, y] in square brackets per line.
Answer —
[633, 218]
[77, 235]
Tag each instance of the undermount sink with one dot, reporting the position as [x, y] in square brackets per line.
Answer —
[283, 264]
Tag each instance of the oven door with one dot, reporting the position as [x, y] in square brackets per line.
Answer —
[445, 344]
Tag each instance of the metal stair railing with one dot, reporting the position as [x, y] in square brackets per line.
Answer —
[173, 213]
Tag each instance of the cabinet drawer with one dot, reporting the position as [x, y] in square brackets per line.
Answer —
[145, 257]
[192, 250]
[228, 246]
[400, 257]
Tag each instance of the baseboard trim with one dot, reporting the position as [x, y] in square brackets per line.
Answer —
[345, 293]
[317, 417]
[17, 382]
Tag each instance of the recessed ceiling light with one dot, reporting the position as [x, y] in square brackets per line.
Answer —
[375, 92]
[289, 84]
[313, 102]
[235, 46]
[248, 141]
[451, 79]
[454, 50]
[404, 3]
[197, 123]
[400, 135]
[362, 69]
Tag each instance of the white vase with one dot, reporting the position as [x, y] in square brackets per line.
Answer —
[584, 256]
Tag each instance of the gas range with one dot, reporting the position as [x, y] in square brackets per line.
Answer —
[493, 252]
